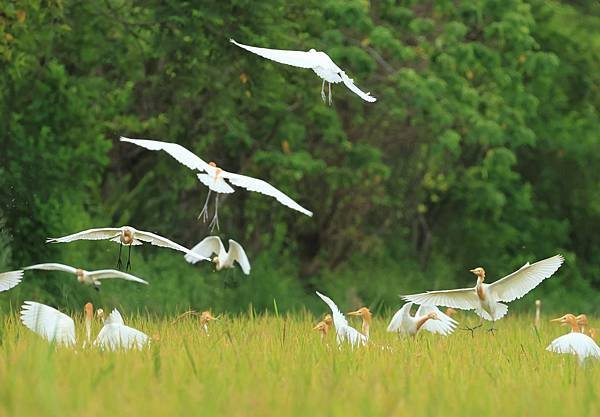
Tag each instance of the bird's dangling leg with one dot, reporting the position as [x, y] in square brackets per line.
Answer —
[119, 263]
[204, 213]
[329, 93]
[215, 221]
[323, 92]
[128, 266]
[492, 329]
[472, 329]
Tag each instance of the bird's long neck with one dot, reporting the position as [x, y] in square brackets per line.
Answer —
[574, 326]
[366, 325]
[479, 288]
[421, 321]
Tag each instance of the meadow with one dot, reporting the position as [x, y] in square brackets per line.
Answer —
[272, 365]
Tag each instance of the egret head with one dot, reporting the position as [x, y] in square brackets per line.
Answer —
[127, 237]
[322, 327]
[362, 312]
[100, 314]
[566, 319]
[212, 164]
[328, 319]
[312, 50]
[79, 274]
[206, 316]
[538, 303]
[479, 271]
[89, 311]
[582, 320]
[215, 260]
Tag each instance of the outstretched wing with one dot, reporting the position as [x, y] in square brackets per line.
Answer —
[104, 233]
[299, 59]
[238, 254]
[53, 267]
[352, 87]
[263, 187]
[520, 282]
[114, 318]
[118, 336]
[401, 315]
[10, 279]
[205, 249]
[181, 154]
[339, 320]
[48, 323]
[163, 242]
[113, 273]
[444, 325]
[463, 298]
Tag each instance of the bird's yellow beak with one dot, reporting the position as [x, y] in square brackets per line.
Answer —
[558, 320]
[355, 313]
[472, 270]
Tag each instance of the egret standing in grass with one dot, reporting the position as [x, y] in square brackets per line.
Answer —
[324, 325]
[428, 318]
[366, 316]
[216, 179]
[318, 61]
[344, 333]
[486, 299]
[575, 342]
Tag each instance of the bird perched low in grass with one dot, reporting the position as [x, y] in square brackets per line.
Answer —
[225, 259]
[10, 279]
[575, 342]
[487, 299]
[428, 318]
[92, 278]
[583, 322]
[318, 61]
[59, 328]
[324, 325]
[217, 179]
[203, 318]
[344, 333]
[124, 236]
[366, 316]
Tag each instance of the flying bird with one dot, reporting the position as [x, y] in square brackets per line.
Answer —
[345, 333]
[87, 277]
[59, 328]
[217, 179]
[486, 299]
[428, 318]
[318, 61]
[225, 259]
[124, 236]
[575, 342]
[10, 279]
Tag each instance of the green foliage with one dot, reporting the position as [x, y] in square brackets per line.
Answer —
[480, 151]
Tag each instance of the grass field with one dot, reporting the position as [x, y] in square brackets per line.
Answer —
[277, 366]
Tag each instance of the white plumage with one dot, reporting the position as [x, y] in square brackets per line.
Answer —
[48, 322]
[577, 344]
[87, 277]
[10, 279]
[216, 178]
[345, 333]
[116, 335]
[225, 259]
[318, 61]
[429, 318]
[486, 299]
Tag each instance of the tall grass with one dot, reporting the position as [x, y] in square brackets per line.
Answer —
[264, 365]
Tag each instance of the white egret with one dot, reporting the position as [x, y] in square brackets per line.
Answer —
[224, 259]
[10, 279]
[366, 316]
[215, 178]
[575, 343]
[486, 299]
[124, 235]
[87, 277]
[428, 318]
[318, 61]
[57, 327]
[344, 332]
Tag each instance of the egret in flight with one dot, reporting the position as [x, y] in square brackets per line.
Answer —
[59, 328]
[575, 343]
[10, 279]
[486, 299]
[225, 259]
[87, 277]
[318, 61]
[124, 235]
[345, 333]
[428, 318]
[216, 179]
